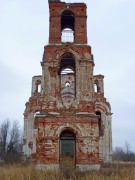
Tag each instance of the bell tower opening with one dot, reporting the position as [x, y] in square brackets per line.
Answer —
[67, 26]
[67, 79]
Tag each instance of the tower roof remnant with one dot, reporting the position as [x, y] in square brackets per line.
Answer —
[53, 0]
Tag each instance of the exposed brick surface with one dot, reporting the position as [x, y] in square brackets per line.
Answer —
[58, 108]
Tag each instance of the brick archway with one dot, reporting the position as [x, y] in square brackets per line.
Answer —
[70, 127]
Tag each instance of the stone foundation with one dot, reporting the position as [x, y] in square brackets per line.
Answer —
[80, 167]
[87, 167]
[50, 167]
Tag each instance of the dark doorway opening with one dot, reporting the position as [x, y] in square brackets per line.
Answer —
[67, 150]
[99, 123]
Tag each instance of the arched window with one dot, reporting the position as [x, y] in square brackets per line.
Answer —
[38, 86]
[67, 26]
[67, 75]
[95, 88]
[99, 122]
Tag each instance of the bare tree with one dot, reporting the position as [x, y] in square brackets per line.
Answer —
[14, 144]
[127, 147]
[14, 138]
[10, 141]
[123, 154]
[3, 138]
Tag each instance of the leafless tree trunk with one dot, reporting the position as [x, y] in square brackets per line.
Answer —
[14, 138]
[10, 142]
[127, 147]
[123, 154]
[14, 145]
[4, 129]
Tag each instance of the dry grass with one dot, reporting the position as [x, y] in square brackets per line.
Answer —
[114, 171]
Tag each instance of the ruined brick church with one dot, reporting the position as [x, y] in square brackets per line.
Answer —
[67, 115]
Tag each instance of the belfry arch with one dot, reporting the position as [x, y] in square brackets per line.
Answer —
[67, 75]
[67, 26]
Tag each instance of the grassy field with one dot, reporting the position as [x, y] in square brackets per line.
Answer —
[114, 171]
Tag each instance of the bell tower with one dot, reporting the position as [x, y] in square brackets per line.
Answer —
[67, 16]
[67, 118]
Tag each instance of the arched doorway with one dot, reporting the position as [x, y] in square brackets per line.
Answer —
[67, 149]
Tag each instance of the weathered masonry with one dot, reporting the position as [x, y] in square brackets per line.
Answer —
[67, 118]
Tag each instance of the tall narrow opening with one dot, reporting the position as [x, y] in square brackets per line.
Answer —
[96, 87]
[99, 122]
[67, 78]
[67, 26]
[67, 149]
[38, 86]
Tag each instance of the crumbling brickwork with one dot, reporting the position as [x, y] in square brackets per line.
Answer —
[67, 115]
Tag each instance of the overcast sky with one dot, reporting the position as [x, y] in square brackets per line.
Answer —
[24, 28]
